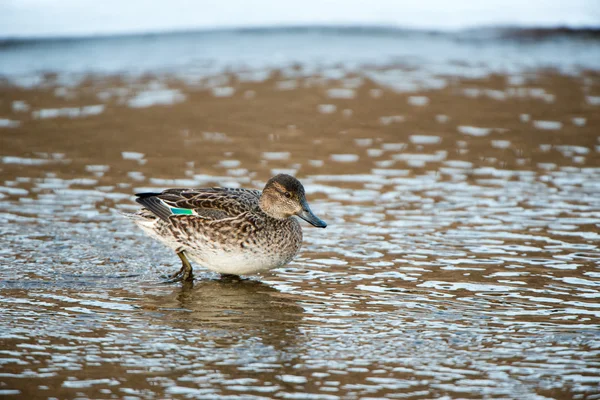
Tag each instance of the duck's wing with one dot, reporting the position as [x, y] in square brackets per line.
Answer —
[210, 203]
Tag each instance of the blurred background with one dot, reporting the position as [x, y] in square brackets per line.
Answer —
[452, 147]
[44, 18]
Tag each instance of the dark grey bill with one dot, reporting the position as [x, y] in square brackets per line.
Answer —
[311, 218]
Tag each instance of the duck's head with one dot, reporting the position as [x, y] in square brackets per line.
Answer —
[283, 196]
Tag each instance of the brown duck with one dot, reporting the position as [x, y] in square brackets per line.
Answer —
[230, 231]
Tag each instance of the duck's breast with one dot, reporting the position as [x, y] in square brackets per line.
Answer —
[272, 245]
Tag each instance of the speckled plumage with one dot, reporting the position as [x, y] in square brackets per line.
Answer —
[231, 231]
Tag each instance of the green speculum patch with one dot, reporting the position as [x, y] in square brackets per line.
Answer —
[181, 211]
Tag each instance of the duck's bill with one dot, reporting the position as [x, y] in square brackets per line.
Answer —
[311, 218]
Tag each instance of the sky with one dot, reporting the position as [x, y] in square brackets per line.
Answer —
[59, 18]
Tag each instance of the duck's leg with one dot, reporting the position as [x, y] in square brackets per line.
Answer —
[185, 273]
[186, 270]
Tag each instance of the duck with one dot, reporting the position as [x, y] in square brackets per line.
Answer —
[232, 231]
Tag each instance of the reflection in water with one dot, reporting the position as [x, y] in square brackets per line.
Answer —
[461, 259]
[243, 307]
[215, 330]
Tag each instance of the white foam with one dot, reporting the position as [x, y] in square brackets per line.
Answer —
[501, 144]
[425, 139]
[441, 118]
[593, 100]
[287, 85]
[374, 152]
[569, 150]
[292, 378]
[136, 176]
[458, 164]
[69, 112]
[229, 163]
[8, 123]
[97, 168]
[472, 287]
[326, 108]
[376, 93]
[391, 119]
[215, 137]
[224, 91]
[548, 125]
[338, 93]
[90, 382]
[421, 159]
[20, 106]
[24, 160]
[273, 155]
[344, 157]
[154, 97]
[390, 172]
[95, 109]
[393, 146]
[363, 142]
[131, 155]
[473, 130]
[418, 100]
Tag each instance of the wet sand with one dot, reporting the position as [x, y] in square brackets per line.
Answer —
[461, 257]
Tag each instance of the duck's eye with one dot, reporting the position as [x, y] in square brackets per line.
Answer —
[288, 195]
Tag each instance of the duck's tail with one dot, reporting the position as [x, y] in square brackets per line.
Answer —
[140, 217]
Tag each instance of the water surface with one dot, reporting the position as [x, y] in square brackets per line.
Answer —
[461, 258]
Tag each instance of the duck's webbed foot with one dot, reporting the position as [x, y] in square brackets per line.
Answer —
[175, 275]
[184, 274]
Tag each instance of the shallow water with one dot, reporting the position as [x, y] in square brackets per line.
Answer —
[461, 257]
